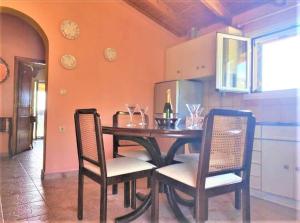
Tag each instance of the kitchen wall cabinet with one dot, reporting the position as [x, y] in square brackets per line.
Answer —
[275, 170]
[195, 58]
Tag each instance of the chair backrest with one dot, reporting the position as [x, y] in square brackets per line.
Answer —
[89, 138]
[121, 118]
[227, 143]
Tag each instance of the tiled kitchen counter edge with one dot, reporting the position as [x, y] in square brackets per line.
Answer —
[279, 123]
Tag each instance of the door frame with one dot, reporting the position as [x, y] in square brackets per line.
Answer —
[17, 62]
[39, 29]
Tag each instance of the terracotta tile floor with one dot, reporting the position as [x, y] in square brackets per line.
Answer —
[26, 198]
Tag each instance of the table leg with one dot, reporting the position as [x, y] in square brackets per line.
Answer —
[173, 197]
[137, 212]
[151, 146]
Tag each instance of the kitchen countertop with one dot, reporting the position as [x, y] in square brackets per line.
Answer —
[279, 123]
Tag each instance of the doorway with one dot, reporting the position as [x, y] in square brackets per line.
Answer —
[35, 44]
[39, 107]
[30, 103]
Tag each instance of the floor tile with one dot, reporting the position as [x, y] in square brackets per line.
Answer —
[27, 198]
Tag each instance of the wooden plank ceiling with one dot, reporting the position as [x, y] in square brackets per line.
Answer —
[180, 16]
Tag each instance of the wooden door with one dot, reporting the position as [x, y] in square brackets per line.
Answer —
[24, 107]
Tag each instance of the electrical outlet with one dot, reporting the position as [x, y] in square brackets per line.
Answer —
[63, 91]
[61, 128]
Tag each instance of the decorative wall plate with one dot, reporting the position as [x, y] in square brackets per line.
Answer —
[68, 61]
[4, 71]
[69, 29]
[110, 54]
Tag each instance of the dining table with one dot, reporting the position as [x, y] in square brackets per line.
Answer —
[147, 136]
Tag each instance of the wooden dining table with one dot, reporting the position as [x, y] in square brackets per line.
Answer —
[147, 137]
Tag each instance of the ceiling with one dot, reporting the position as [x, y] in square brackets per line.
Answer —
[180, 16]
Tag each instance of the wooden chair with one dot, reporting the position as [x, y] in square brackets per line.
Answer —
[226, 149]
[123, 148]
[126, 148]
[92, 163]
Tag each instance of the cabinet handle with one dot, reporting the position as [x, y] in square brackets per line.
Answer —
[286, 167]
[202, 66]
[178, 71]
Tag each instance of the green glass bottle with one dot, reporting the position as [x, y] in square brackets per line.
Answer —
[168, 111]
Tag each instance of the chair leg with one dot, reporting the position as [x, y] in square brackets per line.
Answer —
[155, 199]
[246, 204]
[133, 194]
[206, 208]
[126, 194]
[115, 189]
[201, 204]
[80, 196]
[148, 182]
[237, 198]
[103, 203]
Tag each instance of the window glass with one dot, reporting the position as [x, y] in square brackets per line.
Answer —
[279, 61]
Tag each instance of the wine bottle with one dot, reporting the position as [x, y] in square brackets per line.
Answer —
[168, 111]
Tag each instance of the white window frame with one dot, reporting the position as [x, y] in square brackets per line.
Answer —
[219, 63]
[256, 74]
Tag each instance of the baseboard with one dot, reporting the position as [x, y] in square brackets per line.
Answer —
[4, 155]
[284, 201]
[47, 176]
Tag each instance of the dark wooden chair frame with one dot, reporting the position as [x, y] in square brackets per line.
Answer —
[103, 180]
[201, 194]
[128, 190]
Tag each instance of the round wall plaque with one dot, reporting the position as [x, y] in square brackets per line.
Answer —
[69, 29]
[68, 61]
[110, 54]
[4, 71]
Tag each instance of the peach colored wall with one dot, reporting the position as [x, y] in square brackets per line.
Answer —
[17, 39]
[140, 44]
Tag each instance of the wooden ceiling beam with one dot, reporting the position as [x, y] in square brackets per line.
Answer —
[216, 7]
[161, 13]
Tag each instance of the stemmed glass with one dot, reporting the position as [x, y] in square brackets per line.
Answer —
[143, 110]
[131, 109]
[193, 109]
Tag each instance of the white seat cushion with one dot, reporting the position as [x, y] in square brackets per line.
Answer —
[135, 152]
[186, 158]
[120, 166]
[187, 174]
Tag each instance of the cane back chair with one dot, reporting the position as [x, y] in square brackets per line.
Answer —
[92, 161]
[226, 149]
[124, 148]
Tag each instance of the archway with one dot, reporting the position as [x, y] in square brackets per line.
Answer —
[14, 65]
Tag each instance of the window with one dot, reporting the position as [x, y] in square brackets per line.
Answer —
[277, 63]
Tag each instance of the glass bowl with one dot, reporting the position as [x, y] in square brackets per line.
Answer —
[166, 123]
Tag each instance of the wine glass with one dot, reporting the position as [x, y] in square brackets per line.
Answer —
[193, 109]
[131, 109]
[143, 110]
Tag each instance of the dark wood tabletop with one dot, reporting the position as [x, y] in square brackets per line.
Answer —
[152, 131]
